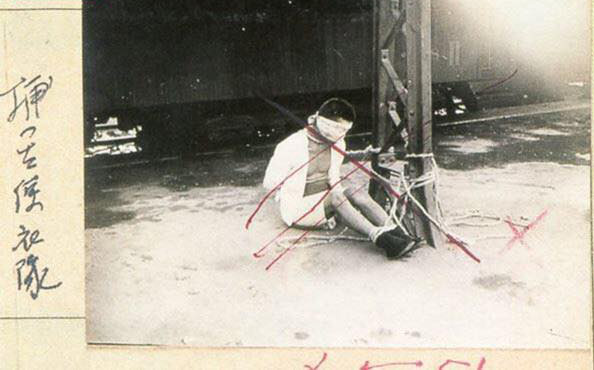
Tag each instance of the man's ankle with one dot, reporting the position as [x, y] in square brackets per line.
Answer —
[376, 231]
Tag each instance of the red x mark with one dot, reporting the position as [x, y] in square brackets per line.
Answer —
[519, 235]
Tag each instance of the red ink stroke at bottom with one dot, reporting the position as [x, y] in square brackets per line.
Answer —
[452, 362]
[317, 367]
[419, 363]
[481, 364]
[446, 364]
[366, 365]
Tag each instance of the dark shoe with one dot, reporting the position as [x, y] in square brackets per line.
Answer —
[397, 232]
[396, 247]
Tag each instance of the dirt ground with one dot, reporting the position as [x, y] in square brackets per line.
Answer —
[170, 262]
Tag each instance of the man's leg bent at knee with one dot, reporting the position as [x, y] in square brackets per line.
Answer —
[348, 214]
[362, 201]
[394, 246]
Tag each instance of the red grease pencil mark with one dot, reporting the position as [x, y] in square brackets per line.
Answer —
[294, 243]
[456, 242]
[481, 364]
[385, 184]
[366, 365]
[498, 83]
[265, 198]
[519, 235]
[389, 188]
[317, 367]
[448, 362]
[259, 254]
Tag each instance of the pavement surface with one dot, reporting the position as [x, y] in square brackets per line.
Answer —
[169, 260]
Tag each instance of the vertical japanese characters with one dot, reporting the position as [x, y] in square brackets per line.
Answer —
[24, 120]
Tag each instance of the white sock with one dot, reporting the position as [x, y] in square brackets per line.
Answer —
[374, 233]
[378, 230]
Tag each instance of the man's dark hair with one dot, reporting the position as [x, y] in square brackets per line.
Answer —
[336, 108]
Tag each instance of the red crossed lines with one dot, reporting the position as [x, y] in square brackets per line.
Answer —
[358, 166]
[304, 234]
[259, 254]
[520, 234]
[261, 203]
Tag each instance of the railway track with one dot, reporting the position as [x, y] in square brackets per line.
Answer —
[138, 158]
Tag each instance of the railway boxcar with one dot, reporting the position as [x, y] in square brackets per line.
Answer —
[189, 67]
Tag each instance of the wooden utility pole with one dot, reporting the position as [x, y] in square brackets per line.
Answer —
[402, 110]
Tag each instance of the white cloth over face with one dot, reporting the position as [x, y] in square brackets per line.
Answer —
[332, 130]
[289, 155]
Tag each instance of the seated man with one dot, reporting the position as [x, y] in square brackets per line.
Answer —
[306, 167]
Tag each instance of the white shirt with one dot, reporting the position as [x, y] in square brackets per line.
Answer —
[289, 155]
